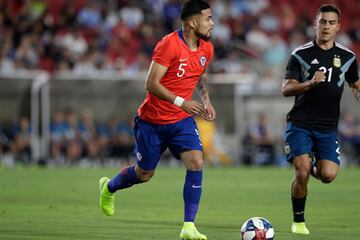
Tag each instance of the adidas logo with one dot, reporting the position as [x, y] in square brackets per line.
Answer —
[315, 61]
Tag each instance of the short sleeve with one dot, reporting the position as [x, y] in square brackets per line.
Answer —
[164, 52]
[293, 69]
[352, 74]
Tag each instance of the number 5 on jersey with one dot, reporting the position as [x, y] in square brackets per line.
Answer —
[181, 71]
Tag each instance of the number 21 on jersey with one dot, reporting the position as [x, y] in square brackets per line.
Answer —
[325, 72]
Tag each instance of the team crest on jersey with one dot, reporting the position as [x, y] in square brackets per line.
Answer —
[203, 61]
[337, 61]
[287, 149]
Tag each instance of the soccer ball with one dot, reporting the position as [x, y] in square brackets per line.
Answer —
[257, 228]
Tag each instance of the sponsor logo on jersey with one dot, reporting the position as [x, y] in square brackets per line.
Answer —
[315, 61]
[337, 61]
[203, 61]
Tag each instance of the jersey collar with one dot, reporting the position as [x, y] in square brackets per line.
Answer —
[315, 44]
[181, 36]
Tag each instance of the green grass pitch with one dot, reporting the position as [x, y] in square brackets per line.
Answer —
[62, 203]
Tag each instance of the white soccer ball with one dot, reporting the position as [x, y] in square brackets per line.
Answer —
[257, 228]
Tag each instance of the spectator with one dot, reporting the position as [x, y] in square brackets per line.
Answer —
[132, 16]
[89, 16]
[57, 138]
[26, 53]
[74, 145]
[262, 138]
[123, 142]
[88, 133]
[74, 42]
[349, 136]
[107, 132]
[4, 143]
[20, 148]
[276, 54]
[171, 13]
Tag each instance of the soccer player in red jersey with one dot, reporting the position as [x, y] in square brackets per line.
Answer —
[165, 119]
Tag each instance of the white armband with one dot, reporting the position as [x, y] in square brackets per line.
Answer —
[179, 101]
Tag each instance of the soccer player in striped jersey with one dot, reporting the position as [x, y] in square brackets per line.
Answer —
[316, 74]
[165, 118]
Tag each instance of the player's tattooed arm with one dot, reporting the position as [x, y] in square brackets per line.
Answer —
[203, 89]
[209, 113]
[355, 87]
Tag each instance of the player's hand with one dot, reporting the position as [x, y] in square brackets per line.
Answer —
[192, 107]
[209, 113]
[318, 77]
[356, 93]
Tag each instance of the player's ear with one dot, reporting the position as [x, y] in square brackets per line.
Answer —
[193, 23]
[338, 26]
[315, 23]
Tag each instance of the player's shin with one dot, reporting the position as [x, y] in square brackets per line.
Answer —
[126, 178]
[192, 194]
[298, 206]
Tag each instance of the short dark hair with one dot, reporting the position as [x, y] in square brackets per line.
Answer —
[328, 8]
[192, 7]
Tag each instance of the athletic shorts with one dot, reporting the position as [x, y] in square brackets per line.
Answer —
[323, 146]
[153, 139]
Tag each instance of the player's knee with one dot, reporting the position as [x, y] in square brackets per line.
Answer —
[193, 160]
[302, 176]
[327, 177]
[145, 176]
[196, 164]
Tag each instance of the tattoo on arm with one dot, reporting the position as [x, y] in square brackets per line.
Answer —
[202, 89]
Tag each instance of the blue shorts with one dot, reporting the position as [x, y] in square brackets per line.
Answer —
[153, 139]
[299, 141]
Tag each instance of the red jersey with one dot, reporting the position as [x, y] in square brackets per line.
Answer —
[184, 70]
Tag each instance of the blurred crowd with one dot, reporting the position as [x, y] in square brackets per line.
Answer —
[263, 143]
[84, 36]
[74, 140]
[349, 137]
[82, 141]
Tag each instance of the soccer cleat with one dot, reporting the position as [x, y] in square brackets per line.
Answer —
[313, 172]
[107, 198]
[189, 232]
[313, 169]
[299, 228]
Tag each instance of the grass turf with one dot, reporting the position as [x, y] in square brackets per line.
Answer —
[62, 203]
